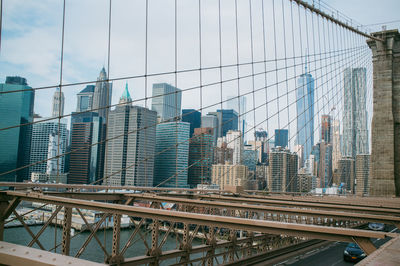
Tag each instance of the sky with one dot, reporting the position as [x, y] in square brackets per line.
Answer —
[31, 46]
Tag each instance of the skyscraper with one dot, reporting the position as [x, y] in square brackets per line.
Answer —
[200, 156]
[130, 149]
[172, 154]
[355, 131]
[325, 165]
[193, 117]
[281, 138]
[102, 95]
[166, 102]
[336, 154]
[58, 103]
[213, 120]
[326, 129]
[282, 171]
[234, 141]
[86, 157]
[229, 120]
[85, 99]
[305, 112]
[239, 104]
[16, 108]
[48, 136]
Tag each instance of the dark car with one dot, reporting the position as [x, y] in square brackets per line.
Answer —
[353, 253]
[376, 226]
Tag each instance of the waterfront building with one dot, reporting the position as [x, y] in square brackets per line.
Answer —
[86, 161]
[172, 154]
[200, 157]
[16, 108]
[49, 139]
[225, 175]
[193, 117]
[166, 102]
[129, 159]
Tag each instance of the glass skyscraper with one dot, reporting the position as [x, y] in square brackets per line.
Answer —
[172, 154]
[16, 108]
[355, 130]
[166, 102]
[281, 138]
[193, 117]
[229, 120]
[305, 112]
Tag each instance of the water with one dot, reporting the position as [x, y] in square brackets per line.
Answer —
[93, 252]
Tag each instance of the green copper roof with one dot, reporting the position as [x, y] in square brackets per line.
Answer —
[126, 94]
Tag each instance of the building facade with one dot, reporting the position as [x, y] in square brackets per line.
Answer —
[57, 108]
[102, 95]
[85, 99]
[355, 116]
[225, 175]
[281, 138]
[282, 171]
[49, 139]
[193, 117]
[305, 112]
[200, 157]
[234, 141]
[172, 154]
[15, 109]
[362, 174]
[166, 102]
[129, 159]
[229, 120]
[326, 129]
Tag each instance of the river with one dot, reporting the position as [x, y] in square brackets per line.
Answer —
[93, 252]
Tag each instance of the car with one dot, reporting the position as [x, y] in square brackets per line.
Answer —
[353, 253]
[376, 226]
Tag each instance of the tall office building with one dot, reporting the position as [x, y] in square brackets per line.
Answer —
[345, 173]
[229, 120]
[86, 162]
[16, 108]
[282, 171]
[355, 116]
[193, 117]
[234, 141]
[58, 103]
[260, 144]
[130, 149]
[172, 154]
[102, 95]
[281, 138]
[326, 129]
[336, 154]
[239, 104]
[305, 112]
[48, 136]
[325, 165]
[166, 102]
[213, 120]
[85, 99]
[362, 174]
[200, 157]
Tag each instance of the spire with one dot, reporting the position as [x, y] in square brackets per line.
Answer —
[103, 74]
[306, 60]
[126, 97]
